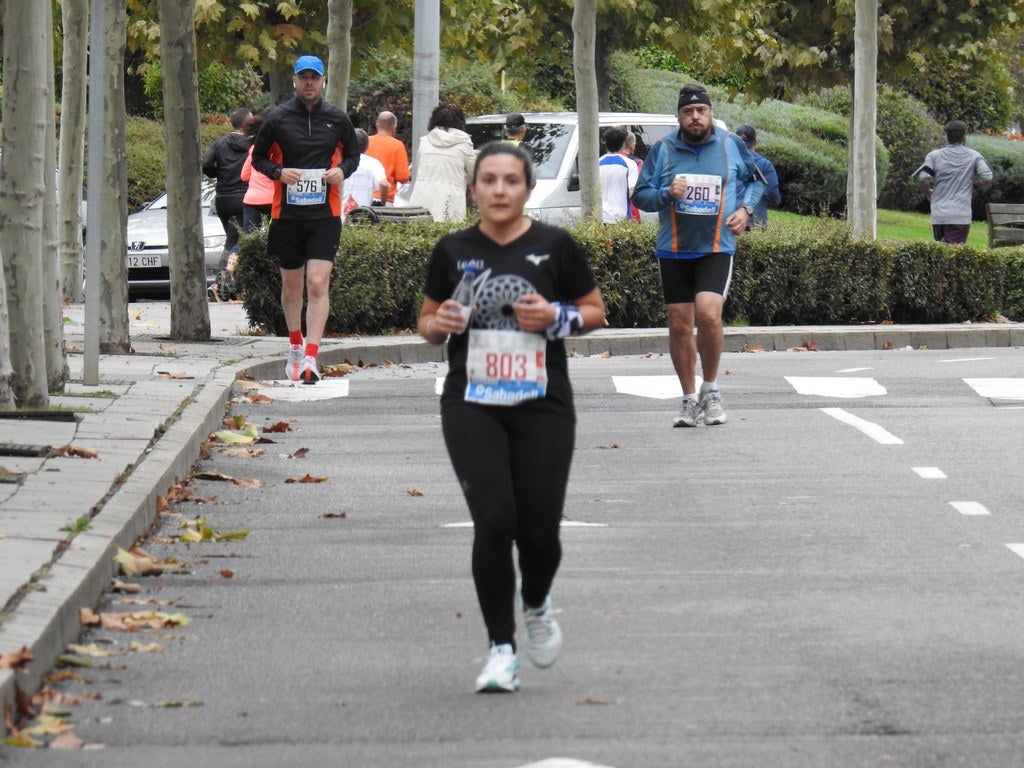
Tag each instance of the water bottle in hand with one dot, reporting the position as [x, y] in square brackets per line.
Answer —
[464, 292]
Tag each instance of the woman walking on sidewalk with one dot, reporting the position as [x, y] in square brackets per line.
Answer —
[506, 409]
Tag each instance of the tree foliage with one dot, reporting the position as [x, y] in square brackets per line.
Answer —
[790, 46]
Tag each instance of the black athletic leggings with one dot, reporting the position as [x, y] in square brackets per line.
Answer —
[513, 465]
[229, 211]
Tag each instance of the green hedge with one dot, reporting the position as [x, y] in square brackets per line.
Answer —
[815, 275]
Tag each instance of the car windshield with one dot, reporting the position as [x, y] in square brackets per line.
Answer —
[546, 140]
[206, 195]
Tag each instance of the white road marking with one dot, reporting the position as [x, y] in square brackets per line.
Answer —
[836, 386]
[562, 762]
[565, 524]
[655, 387]
[872, 430]
[965, 360]
[854, 370]
[930, 473]
[1017, 549]
[293, 392]
[439, 385]
[969, 508]
[998, 389]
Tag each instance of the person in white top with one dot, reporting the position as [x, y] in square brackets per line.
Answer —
[368, 178]
[618, 175]
[444, 165]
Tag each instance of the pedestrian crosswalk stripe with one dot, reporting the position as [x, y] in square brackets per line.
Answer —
[295, 392]
[1017, 549]
[998, 389]
[929, 473]
[836, 386]
[563, 762]
[969, 508]
[655, 387]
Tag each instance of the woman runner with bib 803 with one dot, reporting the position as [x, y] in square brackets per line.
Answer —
[506, 408]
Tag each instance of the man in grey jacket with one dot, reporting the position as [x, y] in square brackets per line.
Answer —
[949, 176]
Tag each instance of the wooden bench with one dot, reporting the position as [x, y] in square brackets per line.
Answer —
[1005, 224]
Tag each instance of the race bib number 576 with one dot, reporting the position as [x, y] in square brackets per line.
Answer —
[310, 189]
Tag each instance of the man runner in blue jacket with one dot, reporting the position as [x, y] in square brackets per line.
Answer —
[704, 185]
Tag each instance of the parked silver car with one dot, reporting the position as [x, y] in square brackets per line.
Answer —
[148, 258]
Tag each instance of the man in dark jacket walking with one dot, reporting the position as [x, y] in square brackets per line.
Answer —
[223, 161]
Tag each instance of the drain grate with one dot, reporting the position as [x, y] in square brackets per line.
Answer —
[40, 415]
[22, 449]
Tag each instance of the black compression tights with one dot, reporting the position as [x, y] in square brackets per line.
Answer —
[513, 465]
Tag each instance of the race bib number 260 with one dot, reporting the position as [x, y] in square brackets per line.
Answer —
[703, 195]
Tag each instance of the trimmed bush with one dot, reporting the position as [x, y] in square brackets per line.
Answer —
[1006, 158]
[810, 276]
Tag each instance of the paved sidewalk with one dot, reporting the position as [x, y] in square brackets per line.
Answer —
[140, 430]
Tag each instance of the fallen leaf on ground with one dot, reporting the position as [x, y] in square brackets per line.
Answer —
[15, 659]
[138, 562]
[174, 375]
[241, 451]
[306, 479]
[133, 621]
[129, 589]
[333, 515]
[603, 355]
[212, 476]
[75, 453]
[95, 650]
[258, 398]
[149, 648]
[414, 492]
[300, 453]
[753, 348]
[613, 445]
[281, 426]
[227, 573]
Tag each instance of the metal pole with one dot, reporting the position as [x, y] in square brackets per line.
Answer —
[426, 67]
[94, 193]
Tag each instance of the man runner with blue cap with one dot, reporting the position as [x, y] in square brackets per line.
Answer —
[309, 148]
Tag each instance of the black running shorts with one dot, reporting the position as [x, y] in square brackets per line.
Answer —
[293, 242]
[683, 279]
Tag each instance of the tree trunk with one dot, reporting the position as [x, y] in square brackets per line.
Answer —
[584, 26]
[57, 372]
[6, 374]
[22, 188]
[75, 22]
[113, 181]
[862, 203]
[339, 41]
[190, 309]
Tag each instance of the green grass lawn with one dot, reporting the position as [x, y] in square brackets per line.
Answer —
[894, 225]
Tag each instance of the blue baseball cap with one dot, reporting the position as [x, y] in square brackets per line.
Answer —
[309, 62]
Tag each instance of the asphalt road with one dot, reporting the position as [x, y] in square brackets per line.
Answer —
[830, 579]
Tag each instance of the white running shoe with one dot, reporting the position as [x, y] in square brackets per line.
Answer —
[501, 673]
[543, 635]
[689, 415]
[711, 404]
[308, 372]
[291, 367]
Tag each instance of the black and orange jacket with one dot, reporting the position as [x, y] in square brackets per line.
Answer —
[295, 137]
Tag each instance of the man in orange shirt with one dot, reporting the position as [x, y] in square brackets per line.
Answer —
[391, 153]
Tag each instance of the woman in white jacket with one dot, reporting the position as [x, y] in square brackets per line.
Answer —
[444, 165]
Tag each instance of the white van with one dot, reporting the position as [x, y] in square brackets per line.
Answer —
[554, 139]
